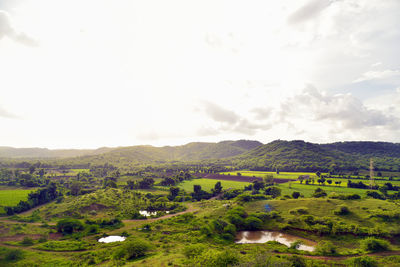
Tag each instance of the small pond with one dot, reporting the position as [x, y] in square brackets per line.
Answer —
[246, 237]
[112, 238]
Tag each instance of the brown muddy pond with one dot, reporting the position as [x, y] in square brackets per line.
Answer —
[248, 237]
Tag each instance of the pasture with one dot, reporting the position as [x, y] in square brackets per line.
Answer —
[208, 184]
[308, 190]
[281, 175]
[12, 197]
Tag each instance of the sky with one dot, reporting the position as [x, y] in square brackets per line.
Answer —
[94, 73]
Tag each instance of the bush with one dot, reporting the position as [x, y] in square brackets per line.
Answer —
[27, 241]
[132, 250]
[319, 193]
[14, 255]
[326, 248]
[342, 210]
[252, 223]
[299, 210]
[213, 258]
[68, 226]
[192, 251]
[296, 194]
[363, 261]
[374, 245]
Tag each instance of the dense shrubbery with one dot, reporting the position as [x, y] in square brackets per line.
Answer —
[132, 250]
[69, 226]
[319, 193]
[342, 210]
[374, 245]
[326, 248]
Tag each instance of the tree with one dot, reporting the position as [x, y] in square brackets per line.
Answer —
[173, 192]
[197, 188]
[329, 181]
[268, 179]
[76, 188]
[217, 187]
[32, 169]
[68, 226]
[295, 195]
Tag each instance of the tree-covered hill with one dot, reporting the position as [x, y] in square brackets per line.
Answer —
[190, 152]
[300, 156]
[11, 152]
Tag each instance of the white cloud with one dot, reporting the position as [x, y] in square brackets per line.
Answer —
[5, 114]
[7, 30]
[115, 73]
[338, 113]
[378, 75]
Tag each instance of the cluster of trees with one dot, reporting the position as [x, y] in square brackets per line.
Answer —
[145, 183]
[170, 181]
[39, 197]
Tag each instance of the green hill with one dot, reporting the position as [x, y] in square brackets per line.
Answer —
[303, 156]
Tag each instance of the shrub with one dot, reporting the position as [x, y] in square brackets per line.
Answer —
[14, 255]
[253, 223]
[319, 193]
[326, 248]
[192, 251]
[363, 261]
[27, 241]
[299, 210]
[296, 244]
[213, 258]
[296, 194]
[92, 229]
[68, 226]
[373, 244]
[342, 210]
[132, 250]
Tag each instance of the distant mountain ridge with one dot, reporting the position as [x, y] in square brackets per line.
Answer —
[280, 155]
[144, 153]
[11, 152]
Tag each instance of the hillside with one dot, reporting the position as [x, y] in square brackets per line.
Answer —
[300, 156]
[190, 152]
[11, 152]
[371, 149]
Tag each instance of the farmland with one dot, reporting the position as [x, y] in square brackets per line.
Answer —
[12, 197]
[180, 215]
[208, 184]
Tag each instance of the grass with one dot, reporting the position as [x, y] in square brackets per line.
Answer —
[208, 184]
[308, 190]
[360, 210]
[281, 175]
[13, 197]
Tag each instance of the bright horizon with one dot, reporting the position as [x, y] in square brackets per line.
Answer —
[101, 73]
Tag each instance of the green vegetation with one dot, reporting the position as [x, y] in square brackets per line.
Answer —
[172, 213]
[208, 184]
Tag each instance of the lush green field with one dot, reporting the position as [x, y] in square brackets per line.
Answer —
[13, 197]
[281, 175]
[208, 184]
[308, 190]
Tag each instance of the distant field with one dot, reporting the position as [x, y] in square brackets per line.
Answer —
[208, 184]
[308, 190]
[281, 175]
[12, 197]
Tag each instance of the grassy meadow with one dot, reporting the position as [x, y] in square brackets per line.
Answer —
[208, 184]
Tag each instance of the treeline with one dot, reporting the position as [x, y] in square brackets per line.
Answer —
[39, 197]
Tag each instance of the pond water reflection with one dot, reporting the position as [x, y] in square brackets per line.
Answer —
[246, 237]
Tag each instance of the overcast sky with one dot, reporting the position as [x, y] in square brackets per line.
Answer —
[92, 73]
